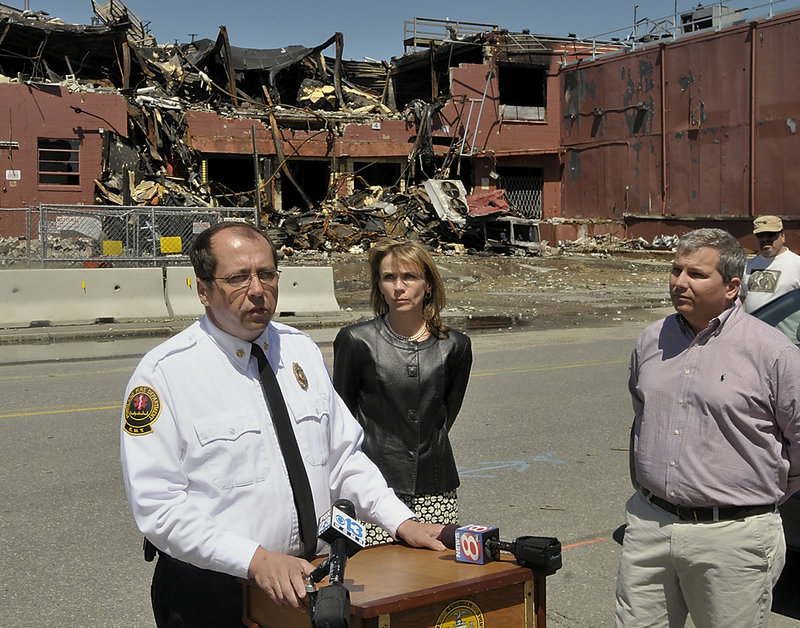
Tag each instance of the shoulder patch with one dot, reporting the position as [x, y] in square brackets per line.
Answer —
[141, 410]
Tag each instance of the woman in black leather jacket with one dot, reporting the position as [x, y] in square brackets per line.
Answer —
[403, 374]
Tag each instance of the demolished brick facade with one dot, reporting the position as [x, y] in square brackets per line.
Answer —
[336, 152]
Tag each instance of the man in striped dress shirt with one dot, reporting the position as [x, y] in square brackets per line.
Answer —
[715, 449]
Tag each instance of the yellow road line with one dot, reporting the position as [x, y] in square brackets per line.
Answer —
[75, 374]
[56, 411]
[534, 369]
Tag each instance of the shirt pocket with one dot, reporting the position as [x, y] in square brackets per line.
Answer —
[232, 449]
[311, 426]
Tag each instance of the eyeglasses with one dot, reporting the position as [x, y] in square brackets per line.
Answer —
[241, 280]
[768, 235]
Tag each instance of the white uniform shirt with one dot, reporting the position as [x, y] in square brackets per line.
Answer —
[202, 467]
[768, 277]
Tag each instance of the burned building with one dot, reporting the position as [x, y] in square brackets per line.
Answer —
[476, 134]
[103, 115]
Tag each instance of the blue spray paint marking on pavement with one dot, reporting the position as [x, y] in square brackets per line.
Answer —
[547, 457]
[520, 466]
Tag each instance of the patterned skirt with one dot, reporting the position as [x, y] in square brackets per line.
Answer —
[431, 508]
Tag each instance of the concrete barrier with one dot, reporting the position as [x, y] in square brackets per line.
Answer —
[180, 293]
[302, 290]
[37, 297]
[306, 289]
[31, 297]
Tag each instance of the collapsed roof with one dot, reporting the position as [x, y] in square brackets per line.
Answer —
[290, 87]
[39, 50]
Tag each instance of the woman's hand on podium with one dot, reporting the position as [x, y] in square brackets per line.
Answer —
[418, 534]
[281, 577]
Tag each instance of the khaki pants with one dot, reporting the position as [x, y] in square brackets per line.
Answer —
[722, 573]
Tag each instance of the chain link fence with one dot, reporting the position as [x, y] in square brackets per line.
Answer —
[66, 236]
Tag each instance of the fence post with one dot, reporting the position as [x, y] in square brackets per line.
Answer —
[28, 219]
[43, 232]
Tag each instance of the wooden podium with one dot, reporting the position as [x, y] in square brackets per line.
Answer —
[393, 586]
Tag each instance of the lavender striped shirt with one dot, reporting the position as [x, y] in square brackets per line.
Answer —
[717, 415]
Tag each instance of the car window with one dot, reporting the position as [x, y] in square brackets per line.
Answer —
[784, 314]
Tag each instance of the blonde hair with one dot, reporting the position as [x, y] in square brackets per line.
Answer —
[412, 253]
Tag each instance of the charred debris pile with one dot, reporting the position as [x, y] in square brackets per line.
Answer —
[294, 87]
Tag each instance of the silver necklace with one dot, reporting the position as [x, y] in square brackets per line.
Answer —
[416, 336]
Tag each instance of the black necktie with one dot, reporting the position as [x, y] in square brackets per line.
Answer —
[303, 499]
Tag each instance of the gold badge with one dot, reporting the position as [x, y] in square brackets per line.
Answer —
[300, 375]
[239, 353]
[461, 613]
[141, 410]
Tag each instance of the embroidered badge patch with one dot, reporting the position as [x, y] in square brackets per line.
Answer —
[300, 375]
[461, 613]
[141, 410]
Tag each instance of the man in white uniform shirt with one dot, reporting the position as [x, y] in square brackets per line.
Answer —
[203, 468]
[775, 271]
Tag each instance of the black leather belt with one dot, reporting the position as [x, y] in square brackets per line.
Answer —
[707, 513]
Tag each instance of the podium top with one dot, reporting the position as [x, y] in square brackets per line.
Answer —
[389, 578]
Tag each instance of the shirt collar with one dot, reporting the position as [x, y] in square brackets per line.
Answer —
[716, 324]
[235, 349]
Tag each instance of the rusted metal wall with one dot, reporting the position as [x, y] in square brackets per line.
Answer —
[707, 122]
[777, 108]
[701, 127]
[611, 136]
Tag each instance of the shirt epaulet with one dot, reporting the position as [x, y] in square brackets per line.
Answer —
[286, 329]
[180, 342]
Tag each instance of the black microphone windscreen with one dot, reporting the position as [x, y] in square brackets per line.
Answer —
[448, 535]
[346, 506]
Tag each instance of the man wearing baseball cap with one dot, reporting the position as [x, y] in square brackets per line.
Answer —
[774, 271]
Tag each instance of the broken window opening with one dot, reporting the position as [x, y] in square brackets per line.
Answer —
[59, 161]
[523, 91]
[416, 85]
[368, 174]
[232, 180]
[523, 189]
[312, 176]
[411, 79]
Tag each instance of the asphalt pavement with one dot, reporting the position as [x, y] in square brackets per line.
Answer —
[541, 443]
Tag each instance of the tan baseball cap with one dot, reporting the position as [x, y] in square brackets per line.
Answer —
[767, 223]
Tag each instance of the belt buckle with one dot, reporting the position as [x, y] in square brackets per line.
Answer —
[686, 513]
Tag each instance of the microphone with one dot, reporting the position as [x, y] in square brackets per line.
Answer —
[344, 533]
[330, 607]
[476, 544]
[479, 545]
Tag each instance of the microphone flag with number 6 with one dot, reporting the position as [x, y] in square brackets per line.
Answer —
[472, 544]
